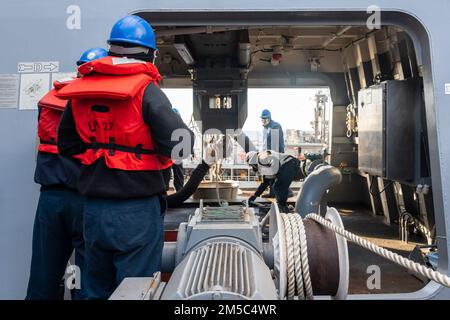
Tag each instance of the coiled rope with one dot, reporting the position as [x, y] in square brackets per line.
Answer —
[298, 277]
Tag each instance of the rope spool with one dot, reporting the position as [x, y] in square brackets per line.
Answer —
[309, 258]
[323, 258]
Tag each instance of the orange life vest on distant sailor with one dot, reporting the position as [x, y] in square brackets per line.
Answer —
[51, 110]
[107, 108]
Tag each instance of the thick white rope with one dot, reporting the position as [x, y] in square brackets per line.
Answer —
[394, 257]
[297, 258]
[298, 275]
[304, 256]
[290, 258]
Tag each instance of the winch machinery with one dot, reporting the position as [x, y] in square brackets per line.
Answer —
[228, 253]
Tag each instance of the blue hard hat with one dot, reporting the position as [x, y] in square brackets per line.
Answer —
[92, 54]
[176, 111]
[133, 30]
[266, 114]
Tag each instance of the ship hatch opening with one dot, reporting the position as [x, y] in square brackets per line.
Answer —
[377, 131]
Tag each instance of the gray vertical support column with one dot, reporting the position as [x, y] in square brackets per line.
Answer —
[366, 60]
[430, 212]
[400, 207]
[423, 210]
[407, 56]
[425, 201]
[388, 201]
[349, 65]
[372, 187]
[346, 66]
[391, 198]
[359, 52]
[399, 196]
[383, 200]
[372, 200]
[373, 53]
[409, 201]
[398, 69]
[384, 54]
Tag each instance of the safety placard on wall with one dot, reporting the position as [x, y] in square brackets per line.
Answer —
[9, 90]
[33, 86]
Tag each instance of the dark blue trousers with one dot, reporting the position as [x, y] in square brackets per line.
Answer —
[57, 232]
[285, 176]
[123, 238]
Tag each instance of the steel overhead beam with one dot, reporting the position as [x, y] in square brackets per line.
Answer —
[335, 36]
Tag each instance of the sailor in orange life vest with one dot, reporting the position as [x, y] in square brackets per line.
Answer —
[121, 123]
[58, 225]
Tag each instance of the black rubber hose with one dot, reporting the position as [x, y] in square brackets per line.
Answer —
[176, 200]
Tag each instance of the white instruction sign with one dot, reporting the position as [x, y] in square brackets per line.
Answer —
[9, 90]
[447, 88]
[33, 87]
[38, 67]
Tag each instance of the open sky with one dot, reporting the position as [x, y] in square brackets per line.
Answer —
[292, 108]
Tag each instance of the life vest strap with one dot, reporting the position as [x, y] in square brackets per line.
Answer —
[50, 142]
[137, 150]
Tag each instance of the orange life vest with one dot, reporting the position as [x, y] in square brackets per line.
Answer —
[107, 108]
[51, 110]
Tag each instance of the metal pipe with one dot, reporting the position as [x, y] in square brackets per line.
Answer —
[194, 30]
[244, 54]
[168, 257]
[314, 189]
[335, 36]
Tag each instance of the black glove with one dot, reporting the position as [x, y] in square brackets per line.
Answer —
[251, 199]
[284, 208]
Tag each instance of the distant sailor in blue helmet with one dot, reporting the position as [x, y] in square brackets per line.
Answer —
[273, 139]
[273, 136]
